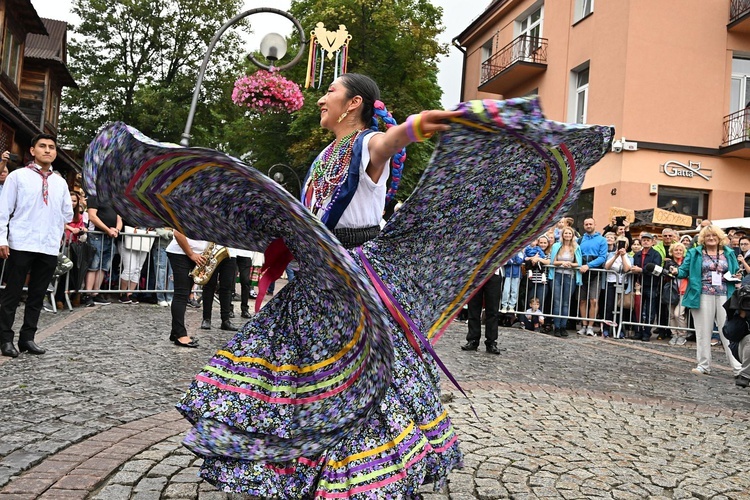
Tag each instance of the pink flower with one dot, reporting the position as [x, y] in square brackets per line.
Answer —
[267, 91]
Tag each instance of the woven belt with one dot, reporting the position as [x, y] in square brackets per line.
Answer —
[351, 237]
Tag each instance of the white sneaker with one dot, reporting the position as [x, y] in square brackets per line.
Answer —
[681, 340]
[673, 340]
[589, 331]
[582, 331]
[700, 371]
[163, 303]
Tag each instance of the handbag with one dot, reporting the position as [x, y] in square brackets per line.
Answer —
[626, 300]
[137, 240]
[670, 293]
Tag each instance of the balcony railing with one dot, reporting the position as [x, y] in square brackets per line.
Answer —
[736, 127]
[737, 9]
[531, 49]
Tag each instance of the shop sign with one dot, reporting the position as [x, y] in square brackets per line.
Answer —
[674, 168]
[671, 218]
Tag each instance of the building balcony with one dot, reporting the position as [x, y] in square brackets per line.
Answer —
[522, 59]
[736, 139]
[739, 16]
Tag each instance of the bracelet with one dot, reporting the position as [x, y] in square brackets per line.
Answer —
[414, 129]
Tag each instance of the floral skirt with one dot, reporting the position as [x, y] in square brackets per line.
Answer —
[406, 440]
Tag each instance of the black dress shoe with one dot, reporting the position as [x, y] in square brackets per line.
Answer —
[470, 346]
[206, 324]
[231, 314]
[192, 343]
[494, 349]
[173, 337]
[228, 325]
[8, 349]
[245, 314]
[30, 347]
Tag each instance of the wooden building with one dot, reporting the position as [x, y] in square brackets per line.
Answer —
[33, 72]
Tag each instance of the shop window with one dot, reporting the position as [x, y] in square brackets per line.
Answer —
[691, 202]
[747, 206]
[582, 209]
[583, 8]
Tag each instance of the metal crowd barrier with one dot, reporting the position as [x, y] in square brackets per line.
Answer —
[135, 246]
[620, 306]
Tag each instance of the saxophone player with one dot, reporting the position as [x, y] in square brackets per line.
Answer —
[184, 255]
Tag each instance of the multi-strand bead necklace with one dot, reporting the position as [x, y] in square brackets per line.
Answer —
[331, 169]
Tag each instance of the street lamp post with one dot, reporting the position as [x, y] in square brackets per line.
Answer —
[273, 48]
[274, 174]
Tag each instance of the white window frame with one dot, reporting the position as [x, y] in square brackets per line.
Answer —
[738, 100]
[583, 8]
[534, 30]
[579, 92]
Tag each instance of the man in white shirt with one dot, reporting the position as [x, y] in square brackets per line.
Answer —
[34, 208]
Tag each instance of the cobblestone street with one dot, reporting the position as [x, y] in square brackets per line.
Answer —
[558, 418]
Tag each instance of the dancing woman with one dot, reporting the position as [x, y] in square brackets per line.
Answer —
[325, 393]
[346, 185]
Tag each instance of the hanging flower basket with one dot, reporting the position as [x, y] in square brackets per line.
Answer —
[267, 92]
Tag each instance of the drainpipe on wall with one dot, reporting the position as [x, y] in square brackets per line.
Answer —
[455, 43]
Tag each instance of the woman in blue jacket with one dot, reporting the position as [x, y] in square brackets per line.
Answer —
[566, 259]
[706, 266]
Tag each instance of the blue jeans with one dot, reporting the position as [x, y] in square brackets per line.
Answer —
[105, 248]
[562, 290]
[163, 272]
[510, 293]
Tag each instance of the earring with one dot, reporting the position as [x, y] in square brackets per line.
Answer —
[343, 115]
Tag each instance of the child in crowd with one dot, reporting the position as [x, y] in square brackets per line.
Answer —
[512, 271]
[532, 319]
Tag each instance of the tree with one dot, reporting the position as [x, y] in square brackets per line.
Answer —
[137, 61]
[394, 42]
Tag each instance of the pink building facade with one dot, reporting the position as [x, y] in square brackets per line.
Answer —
[672, 77]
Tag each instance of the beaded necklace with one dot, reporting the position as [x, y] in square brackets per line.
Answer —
[331, 169]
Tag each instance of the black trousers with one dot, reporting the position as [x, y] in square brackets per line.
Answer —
[245, 266]
[489, 296]
[40, 266]
[183, 284]
[225, 275]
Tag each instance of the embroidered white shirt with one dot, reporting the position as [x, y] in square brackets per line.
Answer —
[26, 222]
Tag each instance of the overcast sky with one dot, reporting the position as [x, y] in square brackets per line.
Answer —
[457, 14]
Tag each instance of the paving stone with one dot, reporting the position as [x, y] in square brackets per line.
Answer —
[150, 484]
[114, 492]
[182, 490]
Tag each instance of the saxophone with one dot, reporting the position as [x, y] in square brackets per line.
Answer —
[213, 254]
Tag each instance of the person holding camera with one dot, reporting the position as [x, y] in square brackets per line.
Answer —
[594, 254]
[5, 158]
[711, 269]
[743, 256]
[619, 263]
[737, 331]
